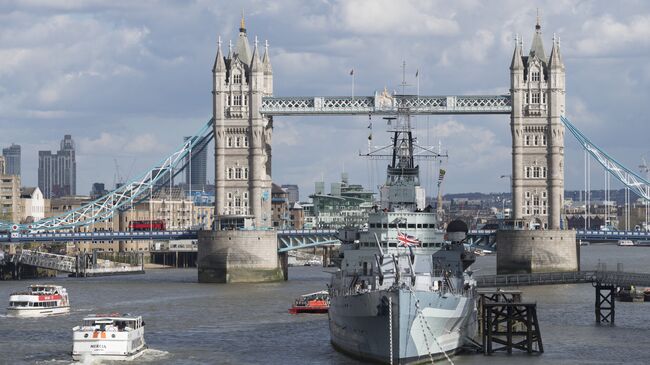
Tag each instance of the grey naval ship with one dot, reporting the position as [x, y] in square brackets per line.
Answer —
[402, 294]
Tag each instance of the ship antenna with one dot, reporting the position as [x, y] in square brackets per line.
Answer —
[403, 77]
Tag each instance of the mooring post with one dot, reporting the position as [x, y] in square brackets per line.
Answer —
[605, 308]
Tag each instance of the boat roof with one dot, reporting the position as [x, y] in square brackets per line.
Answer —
[45, 286]
[322, 292]
[112, 317]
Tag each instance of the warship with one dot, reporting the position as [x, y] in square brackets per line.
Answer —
[402, 294]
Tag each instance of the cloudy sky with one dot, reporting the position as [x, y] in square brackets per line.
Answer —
[129, 79]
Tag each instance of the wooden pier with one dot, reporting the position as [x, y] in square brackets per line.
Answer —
[605, 284]
[508, 323]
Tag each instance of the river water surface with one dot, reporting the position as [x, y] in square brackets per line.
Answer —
[192, 323]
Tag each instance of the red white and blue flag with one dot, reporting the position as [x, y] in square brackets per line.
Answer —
[406, 240]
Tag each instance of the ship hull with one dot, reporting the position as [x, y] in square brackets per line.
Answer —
[360, 325]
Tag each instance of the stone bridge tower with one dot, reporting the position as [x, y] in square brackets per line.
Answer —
[537, 86]
[241, 247]
[242, 134]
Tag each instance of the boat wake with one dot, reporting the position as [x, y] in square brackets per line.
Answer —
[153, 355]
[148, 356]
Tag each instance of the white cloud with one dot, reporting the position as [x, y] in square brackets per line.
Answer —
[607, 36]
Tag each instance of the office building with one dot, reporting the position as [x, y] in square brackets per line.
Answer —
[196, 171]
[57, 173]
[12, 159]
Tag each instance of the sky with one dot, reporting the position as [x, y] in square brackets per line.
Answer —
[129, 79]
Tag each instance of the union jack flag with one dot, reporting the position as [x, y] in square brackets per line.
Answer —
[406, 240]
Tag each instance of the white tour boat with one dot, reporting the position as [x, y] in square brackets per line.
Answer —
[109, 337]
[39, 301]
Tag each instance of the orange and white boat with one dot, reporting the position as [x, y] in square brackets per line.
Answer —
[109, 337]
[39, 301]
[318, 302]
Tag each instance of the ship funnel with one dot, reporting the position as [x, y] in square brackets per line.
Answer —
[457, 231]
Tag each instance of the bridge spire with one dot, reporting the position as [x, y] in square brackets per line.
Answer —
[537, 46]
[556, 57]
[255, 62]
[266, 59]
[242, 23]
[516, 63]
[219, 64]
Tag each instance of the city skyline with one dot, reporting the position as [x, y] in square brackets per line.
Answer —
[158, 86]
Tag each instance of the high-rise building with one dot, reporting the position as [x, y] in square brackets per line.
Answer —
[293, 191]
[12, 159]
[196, 171]
[2, 165]
[57, 173]
[98, 190]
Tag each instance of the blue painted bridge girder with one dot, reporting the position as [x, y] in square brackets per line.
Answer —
[287, 239]
[484, 235]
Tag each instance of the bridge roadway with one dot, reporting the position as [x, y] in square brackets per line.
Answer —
[288, 239]
[386, 104]
[616, 278]
[588, 235]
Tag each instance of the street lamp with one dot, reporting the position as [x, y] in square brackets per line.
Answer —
[503, 201]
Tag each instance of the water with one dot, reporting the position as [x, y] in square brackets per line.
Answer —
[191, 323]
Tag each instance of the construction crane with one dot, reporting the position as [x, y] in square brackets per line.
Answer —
[643, 167]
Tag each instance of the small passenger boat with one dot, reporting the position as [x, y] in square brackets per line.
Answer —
[318, 302]
[109, 337]
[39, 301]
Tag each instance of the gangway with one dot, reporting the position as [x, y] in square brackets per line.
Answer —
[45, 260]
[84, 264]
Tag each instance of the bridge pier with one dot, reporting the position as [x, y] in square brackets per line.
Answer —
[535, 251]
[238, 256]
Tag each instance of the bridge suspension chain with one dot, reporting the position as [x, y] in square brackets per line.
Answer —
[626, 176]
[103, 208]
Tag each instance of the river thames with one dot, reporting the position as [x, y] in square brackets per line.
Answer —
[192, 323]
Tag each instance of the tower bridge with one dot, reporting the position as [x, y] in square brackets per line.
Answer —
[242, 124]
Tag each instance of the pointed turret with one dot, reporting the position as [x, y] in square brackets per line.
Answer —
[517, 63]
[556, 58]
[537, 47]
[219, 63]
[243, 50]
[266, 60]
[256, 65]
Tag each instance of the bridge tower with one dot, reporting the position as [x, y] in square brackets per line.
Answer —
[537, 86]
[242, 134]
[242, 247]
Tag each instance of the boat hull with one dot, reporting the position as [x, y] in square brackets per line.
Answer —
[18, 312]
[360, 325]
[108, 345]
[109, 357]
